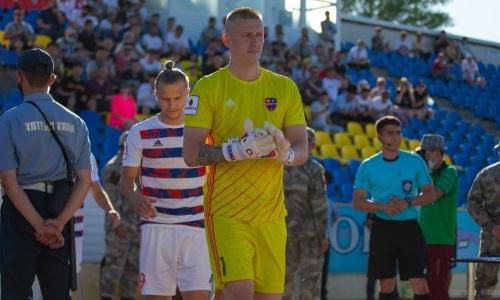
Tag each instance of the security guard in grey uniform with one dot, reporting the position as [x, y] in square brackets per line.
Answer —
[33, 232]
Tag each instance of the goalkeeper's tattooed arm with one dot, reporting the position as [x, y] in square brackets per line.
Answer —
[209, 155]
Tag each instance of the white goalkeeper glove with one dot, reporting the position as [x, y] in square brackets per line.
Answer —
[256, 144]
[284, 153]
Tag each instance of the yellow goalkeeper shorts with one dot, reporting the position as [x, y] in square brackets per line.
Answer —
[242, 250]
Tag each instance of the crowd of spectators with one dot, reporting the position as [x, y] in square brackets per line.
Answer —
[108, 52]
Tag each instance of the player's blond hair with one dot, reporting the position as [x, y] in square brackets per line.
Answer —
[245, 13]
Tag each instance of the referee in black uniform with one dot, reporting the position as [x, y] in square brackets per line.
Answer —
[34, 236]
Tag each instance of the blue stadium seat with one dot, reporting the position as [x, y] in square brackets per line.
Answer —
[14, 95]
[341, 176]
[353, 166]
[110, 144]
[8, 58]
[331, 165]
[331, 192]
[346, 191]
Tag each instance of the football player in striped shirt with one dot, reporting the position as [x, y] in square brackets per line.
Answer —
[169, 197]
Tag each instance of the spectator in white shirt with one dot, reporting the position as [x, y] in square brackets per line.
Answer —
[332, 83]
[178, 41]
[152, 40]
[364, 106]
[379, 88]
[320, 114]
[358, 56]
[470, 70]
[382, 105]
[146, 102]
[150, 63]
[403, 45]
[19, 30]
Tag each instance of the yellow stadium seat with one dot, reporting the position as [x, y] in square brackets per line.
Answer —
[361, 141]
[323, 137]
[367, 152]
[315, 152]
[376, 144]
[349, 152]
[354, 128]
[342, 139]
[3, 41]
[370, 130]
[329, 150]
[447, 159]
[404, 144]
[42, 41]
[141, 117]
[413, 144]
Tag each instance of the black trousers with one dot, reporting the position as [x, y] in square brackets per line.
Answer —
[22, 256]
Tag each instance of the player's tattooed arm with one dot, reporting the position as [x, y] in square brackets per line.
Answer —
[209, 155]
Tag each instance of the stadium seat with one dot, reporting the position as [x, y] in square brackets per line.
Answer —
[367, 152]
[349, 152]
[328, 150]
[323, 137]
[376, 144]
[354, 128]
[413, 144]
[361, 141]
[370, 130]
[346, 191]
[341, 176]
[8, 58]
[42, 41]
[404, 144]
[353, 166]
[331, 164]
[3, 41]
[342, 139]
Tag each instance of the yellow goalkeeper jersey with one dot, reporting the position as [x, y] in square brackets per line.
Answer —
[251, 190]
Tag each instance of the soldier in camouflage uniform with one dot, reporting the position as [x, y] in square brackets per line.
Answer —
[121, 261]
[484, 206]
[305, 199]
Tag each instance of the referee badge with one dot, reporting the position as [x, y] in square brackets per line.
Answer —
[407, 186]
[271, 103]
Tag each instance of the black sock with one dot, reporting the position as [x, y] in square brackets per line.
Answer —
[386, 296]
[106, 298]
[422, 297]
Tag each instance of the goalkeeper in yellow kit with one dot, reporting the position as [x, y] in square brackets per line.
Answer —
[245, 122]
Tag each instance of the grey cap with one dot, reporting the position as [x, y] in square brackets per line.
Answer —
[432, 141]
[35, 61]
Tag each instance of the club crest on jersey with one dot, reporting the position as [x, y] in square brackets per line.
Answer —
[271, 103]
[407, 186]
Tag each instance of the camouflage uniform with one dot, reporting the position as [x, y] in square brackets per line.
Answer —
[121, 261]
[307, 207]
[484, 207]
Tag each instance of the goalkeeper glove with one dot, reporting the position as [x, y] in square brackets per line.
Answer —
[257, 143]
[283, 151]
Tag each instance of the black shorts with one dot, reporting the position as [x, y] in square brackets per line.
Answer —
[396, 244]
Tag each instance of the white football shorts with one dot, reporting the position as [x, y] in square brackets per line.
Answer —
[173, 256]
